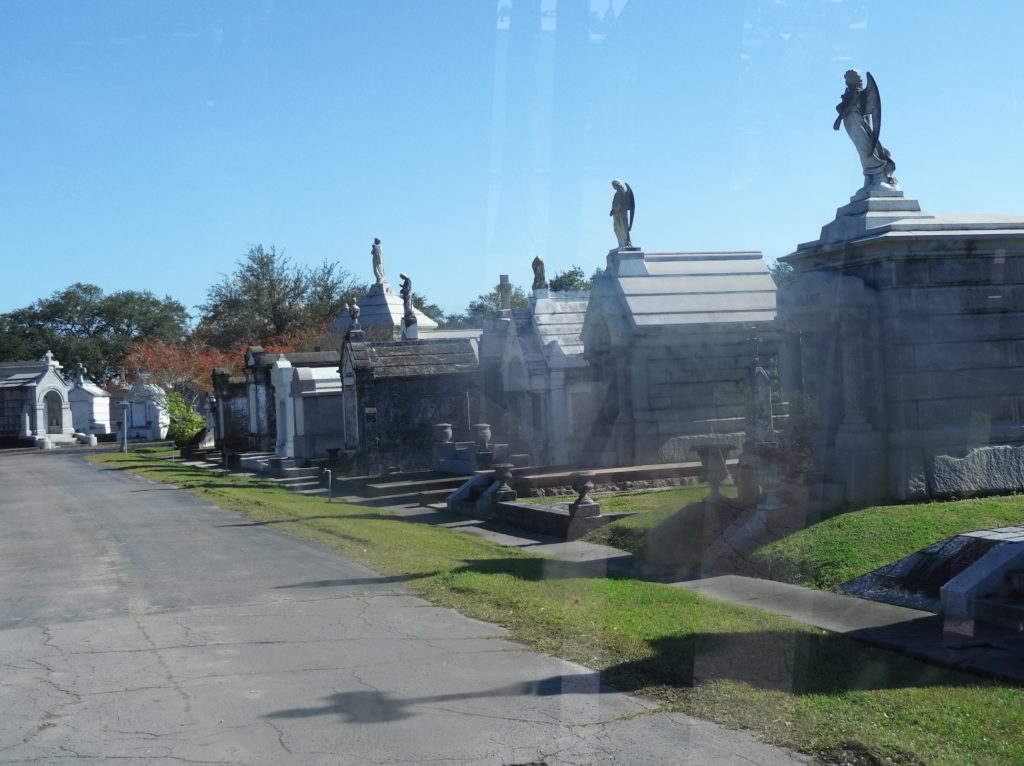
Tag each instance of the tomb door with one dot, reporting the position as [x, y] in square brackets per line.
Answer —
[54, 413]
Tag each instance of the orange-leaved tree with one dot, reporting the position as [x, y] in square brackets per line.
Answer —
[184, 367]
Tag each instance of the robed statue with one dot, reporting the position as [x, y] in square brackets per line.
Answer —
[623, 209]
[406, 293]
[539, 282]
[860, 112]
[377, 253]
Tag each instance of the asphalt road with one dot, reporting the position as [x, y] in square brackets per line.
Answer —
[140, 625]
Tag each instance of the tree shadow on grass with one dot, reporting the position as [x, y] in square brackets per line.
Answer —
[800, 662]
[531, 569]
[339, 516]
[795, 662]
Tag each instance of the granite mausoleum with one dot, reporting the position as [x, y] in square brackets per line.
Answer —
[671, 339]
[536, 387]
[905, 339]
[905, 343]
[34, 403]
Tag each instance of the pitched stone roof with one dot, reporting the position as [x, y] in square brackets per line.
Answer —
[556, 319]
[413, 358]
[380, 306]
[661, 289]
[313, 358]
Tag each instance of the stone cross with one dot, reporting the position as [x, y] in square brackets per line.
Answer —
[505, 291]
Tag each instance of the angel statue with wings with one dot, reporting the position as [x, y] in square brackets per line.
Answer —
[860, 112]
[623, 209]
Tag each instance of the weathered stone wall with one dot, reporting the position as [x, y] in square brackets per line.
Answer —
[322, 425]
[13, 402]
[407, 409]
[912, 344]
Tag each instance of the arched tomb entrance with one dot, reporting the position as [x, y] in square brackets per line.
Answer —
[54, 406]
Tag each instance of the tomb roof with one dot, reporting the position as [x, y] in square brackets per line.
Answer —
[396, 359]
[688, 288]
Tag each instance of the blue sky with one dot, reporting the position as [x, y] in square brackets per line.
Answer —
[147, 145]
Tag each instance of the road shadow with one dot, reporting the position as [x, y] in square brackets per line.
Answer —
[796, 662]
[346, 582]
[382, 707]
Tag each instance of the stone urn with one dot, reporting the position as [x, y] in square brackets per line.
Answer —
[583, 484]
[482, 435]
[502, 473]
[442, 433]
[712, 462]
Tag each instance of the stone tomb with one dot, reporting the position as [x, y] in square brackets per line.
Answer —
[394, 392]
[90, 405]
[231, 411]
[536, 388]
[308, 402]
[34, 402]
[905, 342]
[671, 339]
[262, 403]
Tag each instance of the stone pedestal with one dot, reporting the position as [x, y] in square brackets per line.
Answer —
[869, 209]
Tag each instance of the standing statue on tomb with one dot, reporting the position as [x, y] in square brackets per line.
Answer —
[378, 260]
[353, 313]
[539, 282]
[860, 112]
[623, 209]
[406, 293]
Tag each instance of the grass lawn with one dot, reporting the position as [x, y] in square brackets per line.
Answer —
[792, 684]
[850, 544]
[652, 507]
[830, 552]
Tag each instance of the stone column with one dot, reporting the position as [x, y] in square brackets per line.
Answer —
[281, 380]
[558, 425]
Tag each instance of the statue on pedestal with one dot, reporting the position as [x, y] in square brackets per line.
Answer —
[623, 209]
[860, 112]
[406, 293]
[539, 282]
[378, 260]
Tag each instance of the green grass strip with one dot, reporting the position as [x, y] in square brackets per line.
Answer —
[851, 544]
[793, 685]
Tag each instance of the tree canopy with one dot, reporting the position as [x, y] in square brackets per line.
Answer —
[571, 279]
[782, 273]
[81, 324]
[267, 297]
[486, 306]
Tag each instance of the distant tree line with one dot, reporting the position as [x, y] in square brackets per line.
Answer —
[267, 300]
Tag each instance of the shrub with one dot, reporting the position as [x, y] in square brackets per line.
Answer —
[185, 421]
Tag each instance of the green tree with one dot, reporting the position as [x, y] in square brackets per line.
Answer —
[486, 306]
[185, 421]
[571, 279]
[432, 310]
[268, 296]
[81, 324]
[328, 288]
[782, 273]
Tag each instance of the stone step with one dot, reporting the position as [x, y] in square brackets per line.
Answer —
[300, 483]
[433, 496]
[413, 486]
